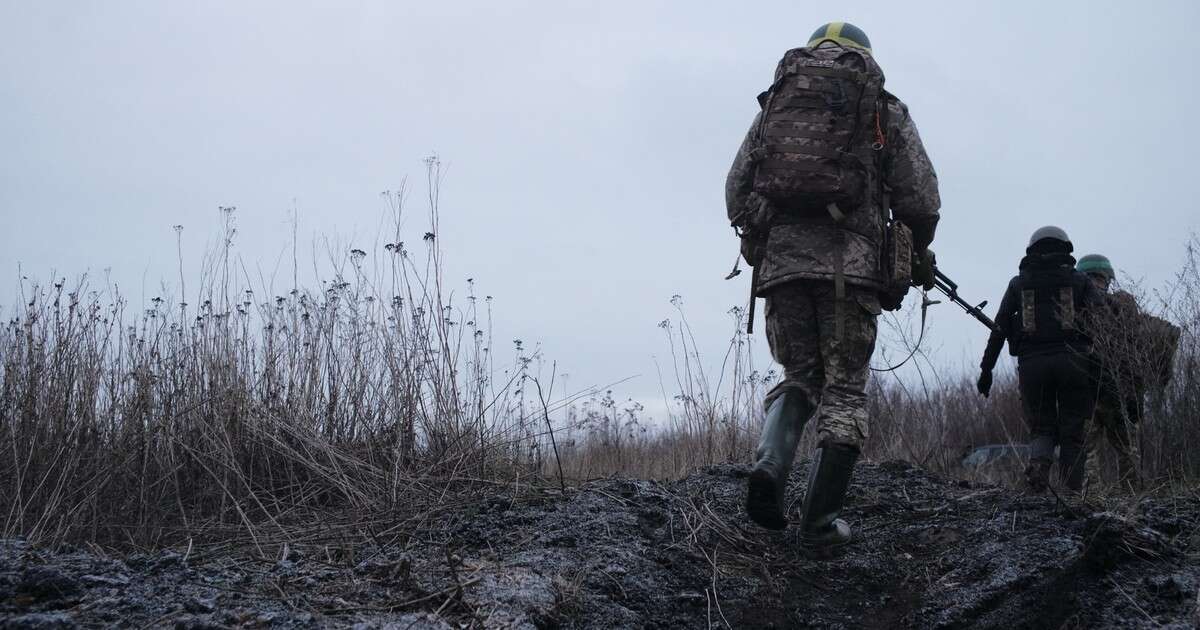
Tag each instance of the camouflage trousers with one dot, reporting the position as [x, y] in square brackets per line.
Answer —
[1111, 422]
[830, 371]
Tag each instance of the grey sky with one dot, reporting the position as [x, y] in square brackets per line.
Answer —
[586, 143]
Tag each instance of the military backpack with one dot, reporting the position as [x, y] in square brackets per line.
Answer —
[1051, 306]
[821, 136]
[820, 131]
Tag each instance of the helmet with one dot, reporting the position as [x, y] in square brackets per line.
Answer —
[843, 33]
[1095, 263]
[1050, 232]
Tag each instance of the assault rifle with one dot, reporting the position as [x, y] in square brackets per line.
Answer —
[950, 289]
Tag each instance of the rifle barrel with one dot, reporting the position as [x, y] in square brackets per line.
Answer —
[950, 289]
[938, 275]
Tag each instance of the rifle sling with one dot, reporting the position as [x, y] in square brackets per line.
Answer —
[839, 274]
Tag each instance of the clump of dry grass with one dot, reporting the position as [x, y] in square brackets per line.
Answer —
[255, 410]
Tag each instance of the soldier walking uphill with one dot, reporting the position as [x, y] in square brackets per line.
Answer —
[810, 190]
[1115, 408]
[1041, 317]
[1134, 352]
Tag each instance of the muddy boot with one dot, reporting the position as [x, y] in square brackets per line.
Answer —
[776, 450]
[1071, 468]
[1037, 475]
[828, 481]
[1041, 457]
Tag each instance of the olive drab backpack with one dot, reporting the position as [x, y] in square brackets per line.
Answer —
[820, 131]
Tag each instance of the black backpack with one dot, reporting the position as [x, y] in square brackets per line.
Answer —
[1051, 307]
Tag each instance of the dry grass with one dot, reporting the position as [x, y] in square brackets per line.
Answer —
[256, 410]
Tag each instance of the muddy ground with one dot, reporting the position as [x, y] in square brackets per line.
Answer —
[929, 552]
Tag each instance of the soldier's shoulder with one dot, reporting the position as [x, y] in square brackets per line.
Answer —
[896, 106]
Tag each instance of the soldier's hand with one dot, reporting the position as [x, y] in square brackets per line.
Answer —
[922, 272]
[984, 385]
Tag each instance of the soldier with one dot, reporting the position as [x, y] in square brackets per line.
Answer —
[1135, 351]
[810, 189]
[1115, 408]
[1041, 317]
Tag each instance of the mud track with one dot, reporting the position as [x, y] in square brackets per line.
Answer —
[929, 552]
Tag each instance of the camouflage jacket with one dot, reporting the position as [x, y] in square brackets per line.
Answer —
[807, 252]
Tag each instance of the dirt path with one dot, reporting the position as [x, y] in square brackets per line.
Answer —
[623, 553]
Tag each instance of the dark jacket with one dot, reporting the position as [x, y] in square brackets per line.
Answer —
[1043, 310]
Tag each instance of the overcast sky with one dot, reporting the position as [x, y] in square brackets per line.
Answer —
[585, 143]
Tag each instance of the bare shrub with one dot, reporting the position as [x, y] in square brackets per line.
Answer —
[254, 409]
[1170, 434]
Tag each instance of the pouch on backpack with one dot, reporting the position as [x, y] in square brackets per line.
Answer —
[897, 265]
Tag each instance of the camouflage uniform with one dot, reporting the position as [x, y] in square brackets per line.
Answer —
[798, 267]
[830, 372]
[1112, 419]
[1120, 387]
[808, 252]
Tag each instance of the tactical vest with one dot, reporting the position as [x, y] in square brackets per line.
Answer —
[1050, 307]
[820, 131]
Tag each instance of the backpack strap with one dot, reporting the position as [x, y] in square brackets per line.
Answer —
[882, 128]
[839, 272]
[839, 286]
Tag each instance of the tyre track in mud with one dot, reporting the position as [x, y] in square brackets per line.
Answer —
[928, 552]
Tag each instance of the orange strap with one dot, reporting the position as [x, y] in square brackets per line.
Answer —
[880, 139]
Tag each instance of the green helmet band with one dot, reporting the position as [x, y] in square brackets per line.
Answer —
[1095, 263]
[843, 33]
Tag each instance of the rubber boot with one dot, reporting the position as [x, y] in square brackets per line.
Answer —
[765, 503]
[828, 481]
[1041, 456]
[1037, 475]
[1070, 467]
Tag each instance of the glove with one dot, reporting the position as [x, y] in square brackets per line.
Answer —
[984, 385]
[922, 272]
